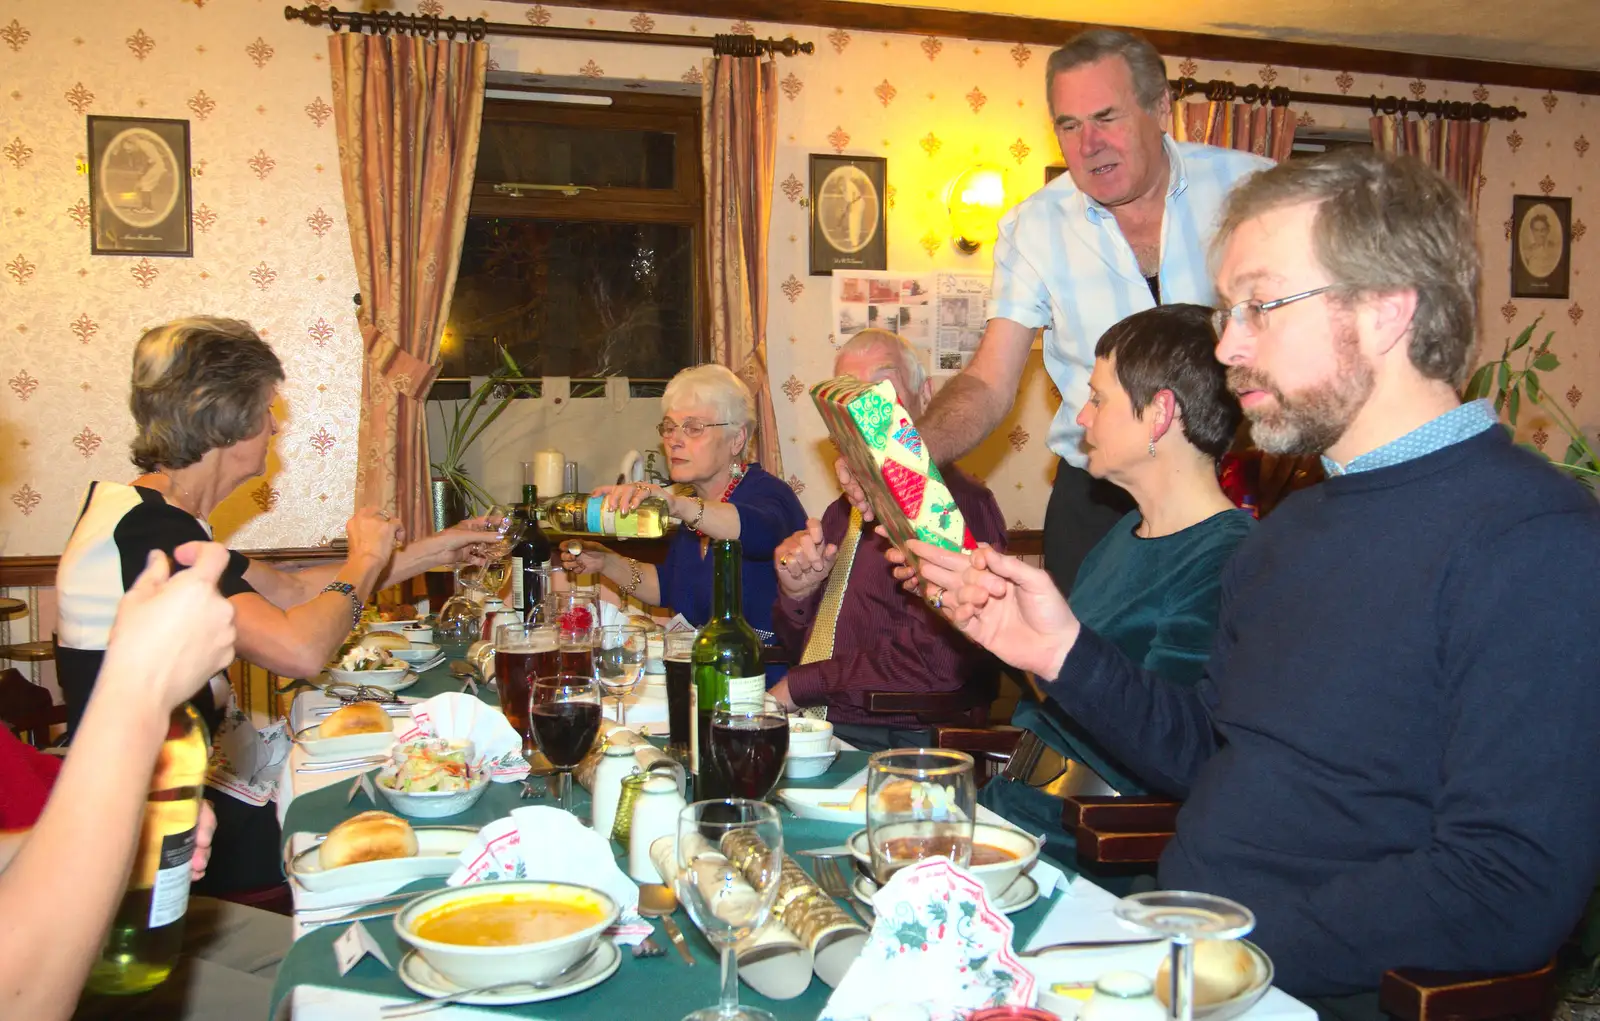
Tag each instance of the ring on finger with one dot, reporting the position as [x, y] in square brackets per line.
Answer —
[783, 561]
[937, 599]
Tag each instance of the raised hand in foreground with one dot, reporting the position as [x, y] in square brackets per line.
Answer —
[1013, 610]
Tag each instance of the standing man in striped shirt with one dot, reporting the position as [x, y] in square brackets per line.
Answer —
[1125, 229]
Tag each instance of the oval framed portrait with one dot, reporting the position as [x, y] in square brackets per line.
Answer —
[849, 197]
[1541, 246]
[139, 197]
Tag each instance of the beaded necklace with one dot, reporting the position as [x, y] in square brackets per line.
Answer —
[735, 477]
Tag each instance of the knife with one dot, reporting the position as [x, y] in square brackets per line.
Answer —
[1092, 944]
[675, 934]
[838, 851]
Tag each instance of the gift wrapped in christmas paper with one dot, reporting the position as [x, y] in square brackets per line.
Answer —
[873, 431]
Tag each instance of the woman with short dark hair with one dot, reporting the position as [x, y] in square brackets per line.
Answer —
[202, 395]
[1158, 419]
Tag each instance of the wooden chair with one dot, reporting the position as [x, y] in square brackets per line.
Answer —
[1130, 832]
[28, 709]
[930, 708]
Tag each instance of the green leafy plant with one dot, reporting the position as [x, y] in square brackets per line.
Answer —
[463, 429]
[1511, 388]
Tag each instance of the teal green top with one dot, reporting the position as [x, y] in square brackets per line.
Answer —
[1156, 600]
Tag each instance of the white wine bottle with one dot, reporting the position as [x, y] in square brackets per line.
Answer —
[579, 514]
[147, 931]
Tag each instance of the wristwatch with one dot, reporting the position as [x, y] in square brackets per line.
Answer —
[349, 590]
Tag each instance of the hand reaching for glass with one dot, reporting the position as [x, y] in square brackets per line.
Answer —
[1013, 610]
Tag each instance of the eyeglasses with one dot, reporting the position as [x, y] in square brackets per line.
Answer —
[1252, 314]
[692, 428]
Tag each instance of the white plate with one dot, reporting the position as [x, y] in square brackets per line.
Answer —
[421, 978]
[438, 853]
[397, 626]
[397, 678]
[824, 804]
[351, 746]
[420, 652]
[804, 767]
[1018, 895]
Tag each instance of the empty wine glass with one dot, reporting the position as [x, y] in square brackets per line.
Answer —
[619, 655]
[1184, 917]
[730, 854]
[921, 803]
[564, 715]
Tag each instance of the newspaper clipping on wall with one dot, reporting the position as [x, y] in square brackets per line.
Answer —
[942, 315]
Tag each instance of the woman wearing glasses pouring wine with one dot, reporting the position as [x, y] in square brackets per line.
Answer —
[708, 417]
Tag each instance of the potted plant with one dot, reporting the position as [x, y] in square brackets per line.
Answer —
[1511, 388]
[455, 493]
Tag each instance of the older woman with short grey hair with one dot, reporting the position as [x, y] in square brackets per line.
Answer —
[708, 417]
[202, 395]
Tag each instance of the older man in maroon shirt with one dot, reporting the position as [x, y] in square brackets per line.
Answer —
[883, 640]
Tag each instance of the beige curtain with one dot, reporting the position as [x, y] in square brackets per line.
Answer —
[1264, 130]
[738, 149]
[1454, 148]
[407, 112]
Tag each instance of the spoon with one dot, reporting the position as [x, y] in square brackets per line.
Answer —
[423, 1006]
[657, 901]
[572, 548]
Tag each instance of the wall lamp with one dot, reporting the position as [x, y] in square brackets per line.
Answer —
[976, 199]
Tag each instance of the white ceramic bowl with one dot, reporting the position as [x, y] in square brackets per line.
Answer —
[380, 678]
[433, 804]
[996, 877]
[471, 967]
[804, 767]
[807, 736]
[418, 653]
[420, 633]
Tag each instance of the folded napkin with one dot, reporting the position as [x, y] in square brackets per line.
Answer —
[245, 763]
[937, 943]
[648, 758]
[461, 717]
[547, 843]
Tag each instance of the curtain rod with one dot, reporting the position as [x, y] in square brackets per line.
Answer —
[385, 22]
[1218, 91]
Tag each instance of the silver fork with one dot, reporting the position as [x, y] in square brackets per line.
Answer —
[835, 882]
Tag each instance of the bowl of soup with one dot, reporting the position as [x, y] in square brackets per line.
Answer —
[999, 855]
[485, 933]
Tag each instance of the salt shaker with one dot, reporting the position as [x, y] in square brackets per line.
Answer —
[616, 762]
[655, 814]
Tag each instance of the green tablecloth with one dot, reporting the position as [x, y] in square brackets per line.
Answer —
[671, 988]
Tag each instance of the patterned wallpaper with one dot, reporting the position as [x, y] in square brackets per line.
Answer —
[271, 243]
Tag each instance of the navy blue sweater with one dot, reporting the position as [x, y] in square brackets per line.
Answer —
[1392, 759]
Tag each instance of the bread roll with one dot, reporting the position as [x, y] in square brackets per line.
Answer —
[859, 802]
[357, 718]
[370, 836]
[1223, 968]
[386, 640]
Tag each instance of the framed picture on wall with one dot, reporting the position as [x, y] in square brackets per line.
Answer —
[1541, 246]
[848, 213]
[1054, 171]
[139, 199]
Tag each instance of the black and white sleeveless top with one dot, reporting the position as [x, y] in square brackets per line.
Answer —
[117, 528]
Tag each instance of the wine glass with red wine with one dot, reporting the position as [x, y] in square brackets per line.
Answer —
[564, 711]
[748, 746]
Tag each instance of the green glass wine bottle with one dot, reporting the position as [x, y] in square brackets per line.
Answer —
[727, 664]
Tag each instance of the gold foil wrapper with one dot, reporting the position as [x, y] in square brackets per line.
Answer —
[800, 905]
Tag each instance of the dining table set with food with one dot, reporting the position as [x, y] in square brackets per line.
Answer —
[467, 828]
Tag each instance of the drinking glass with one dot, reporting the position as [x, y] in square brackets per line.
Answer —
[748, 747]
[730, 854]
[502, 530]
[564, 714]
[1184, 917]
[678, 650]
[619, 655]
[921, 802]
[522, 653]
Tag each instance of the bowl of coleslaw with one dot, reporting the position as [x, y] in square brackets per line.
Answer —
[433, 778]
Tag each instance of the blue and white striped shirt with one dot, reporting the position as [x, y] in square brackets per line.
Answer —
[1062, 263]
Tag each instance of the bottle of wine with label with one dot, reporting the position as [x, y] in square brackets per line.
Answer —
[531, 553]
[581, 514]
[727, 664]
[147, 931]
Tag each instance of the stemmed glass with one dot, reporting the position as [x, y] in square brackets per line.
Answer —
[619, 655]
[1184, 917]
[564, 714]
[921, 802]
[748, 747]
[502, 530]
[730, 854]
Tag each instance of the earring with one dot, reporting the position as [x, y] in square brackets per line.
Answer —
[735, 471]
[1152, 446]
